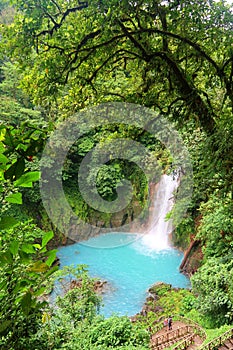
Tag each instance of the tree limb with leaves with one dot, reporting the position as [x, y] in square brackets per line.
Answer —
[179, 52]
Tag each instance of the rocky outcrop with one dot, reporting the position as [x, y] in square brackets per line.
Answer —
[154, 293]
[100, 287]
[122, 221]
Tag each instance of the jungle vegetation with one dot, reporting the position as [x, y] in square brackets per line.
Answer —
[60, 57]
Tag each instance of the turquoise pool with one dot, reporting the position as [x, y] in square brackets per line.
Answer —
[129, 267]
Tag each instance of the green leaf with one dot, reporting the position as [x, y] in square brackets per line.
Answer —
[15, 171]
[2, 147]
[40, 291]
[37, 246]
[47, 237]
[26, 303]
[51, 271]
[7, 222]
[6, 258]
[25, 257]
[51, 257]
[27, 179]
[4, 325]
[14, 247]
[28, 248]
[38, 266]
[3, 159]
[15, 198]
[3, 285]
[21, 285]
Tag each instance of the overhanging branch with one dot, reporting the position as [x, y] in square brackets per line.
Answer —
[82, 5]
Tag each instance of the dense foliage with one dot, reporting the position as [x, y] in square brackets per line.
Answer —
[58, 57]
[25, 267]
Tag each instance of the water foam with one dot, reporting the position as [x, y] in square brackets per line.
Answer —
[157, 236]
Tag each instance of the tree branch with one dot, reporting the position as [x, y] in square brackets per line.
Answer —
[163, 19]
[82, 5]
[173, 103]
[134, 41]
[61, 49]
[185, 40]
[106, 61]
[57, 6]
[227, 62]
[190, 94]
[97, 46]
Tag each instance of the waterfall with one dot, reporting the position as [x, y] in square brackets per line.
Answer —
[157, 235]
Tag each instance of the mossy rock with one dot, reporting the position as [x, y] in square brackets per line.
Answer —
[160, 288]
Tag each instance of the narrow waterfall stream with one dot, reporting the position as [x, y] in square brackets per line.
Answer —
[157, 236]
[131, 268]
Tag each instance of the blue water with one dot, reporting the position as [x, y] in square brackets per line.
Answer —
[129, 267]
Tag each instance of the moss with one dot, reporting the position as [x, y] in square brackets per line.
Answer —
[164, 300]
[160, 288]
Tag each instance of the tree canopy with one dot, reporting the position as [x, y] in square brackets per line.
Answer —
[172, 55]
[58, 57]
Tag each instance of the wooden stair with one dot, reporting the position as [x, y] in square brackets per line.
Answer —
[228, 345]
[197, 342]
[187, 335]
[171, 342]
[184, 335]
[172, 337]
[223, 342]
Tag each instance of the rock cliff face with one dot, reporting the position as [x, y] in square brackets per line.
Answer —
[130, 219]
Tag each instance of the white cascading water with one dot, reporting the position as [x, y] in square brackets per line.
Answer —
[157, 236]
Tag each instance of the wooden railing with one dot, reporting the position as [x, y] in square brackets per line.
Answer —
[192, 328]
[217, 341]
[156, 327]
[185, 343]
[196, 328]
[186, 334]
[169, 336]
